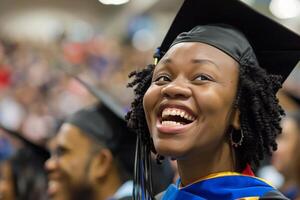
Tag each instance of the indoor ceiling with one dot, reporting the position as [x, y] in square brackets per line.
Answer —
[31, 17]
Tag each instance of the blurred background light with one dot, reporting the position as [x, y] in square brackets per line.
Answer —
[114, 2]
[285, 9]
[43, 25]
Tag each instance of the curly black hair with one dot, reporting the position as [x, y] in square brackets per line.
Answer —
[260, 116]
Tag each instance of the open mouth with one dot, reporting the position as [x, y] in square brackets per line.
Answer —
[175, 117]
[53, 187]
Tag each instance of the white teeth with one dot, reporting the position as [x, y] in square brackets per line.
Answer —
[177, 112]
[181, 114]
[171, 123]
[173, 112]
[168, 112]
[165, 113]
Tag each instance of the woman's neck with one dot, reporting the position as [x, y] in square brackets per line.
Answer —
[195, 167]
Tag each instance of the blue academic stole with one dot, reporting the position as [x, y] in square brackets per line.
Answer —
[220, 186]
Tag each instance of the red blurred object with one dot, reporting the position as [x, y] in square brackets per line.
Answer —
[74, 52]
[248, 171]
[5, 76]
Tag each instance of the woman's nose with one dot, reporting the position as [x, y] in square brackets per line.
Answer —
[176, 89]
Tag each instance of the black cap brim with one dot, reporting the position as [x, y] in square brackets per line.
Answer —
[37, 149]
[276, 47]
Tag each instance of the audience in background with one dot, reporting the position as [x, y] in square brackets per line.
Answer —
[286, 158]
[22, 175]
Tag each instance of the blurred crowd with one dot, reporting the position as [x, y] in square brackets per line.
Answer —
[36, 92]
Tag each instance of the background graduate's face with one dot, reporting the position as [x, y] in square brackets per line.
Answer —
[69, 166]
[189, 103]
[284, 159]
[7, 189]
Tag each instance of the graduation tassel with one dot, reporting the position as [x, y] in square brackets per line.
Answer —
[157, 56]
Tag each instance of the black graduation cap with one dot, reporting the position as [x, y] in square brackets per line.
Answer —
[39, 150]
[276, 47]
[105, 122]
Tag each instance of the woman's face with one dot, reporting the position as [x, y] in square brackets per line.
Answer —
[189, 104]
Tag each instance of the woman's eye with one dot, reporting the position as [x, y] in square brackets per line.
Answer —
[203, 77]
[162, 79]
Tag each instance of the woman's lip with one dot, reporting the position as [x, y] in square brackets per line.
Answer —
[178, 129]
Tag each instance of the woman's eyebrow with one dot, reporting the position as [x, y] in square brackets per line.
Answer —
[194, 61]
[204, 61]
[166, 61]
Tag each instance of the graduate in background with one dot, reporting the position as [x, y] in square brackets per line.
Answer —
[92, 156]
[280, 169]
[22, 175]
[209, 102]
[286, 158]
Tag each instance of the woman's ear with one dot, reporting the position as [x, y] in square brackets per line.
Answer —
[236, 119]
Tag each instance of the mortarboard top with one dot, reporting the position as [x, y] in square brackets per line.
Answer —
[276, 47]
[39, 150]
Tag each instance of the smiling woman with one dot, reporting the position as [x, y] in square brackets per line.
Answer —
[208, 103]
[201, 91]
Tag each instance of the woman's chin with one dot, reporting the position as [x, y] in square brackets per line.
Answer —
[168, 151]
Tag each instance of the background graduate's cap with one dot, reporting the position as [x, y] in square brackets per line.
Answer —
[277, 48]
[105, 122]
[38, 150]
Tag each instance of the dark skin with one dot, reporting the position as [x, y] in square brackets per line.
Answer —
[78, 170]
[7, 188]
[199, 81]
